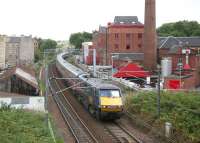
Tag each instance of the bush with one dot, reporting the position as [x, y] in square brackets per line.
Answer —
[20, 126]
[181, 109]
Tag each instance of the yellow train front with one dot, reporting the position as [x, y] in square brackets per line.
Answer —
[105, 102]
[111, 106]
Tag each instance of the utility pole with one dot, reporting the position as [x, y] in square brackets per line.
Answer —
[158, 94]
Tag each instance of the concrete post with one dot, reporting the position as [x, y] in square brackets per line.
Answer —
[168, 127]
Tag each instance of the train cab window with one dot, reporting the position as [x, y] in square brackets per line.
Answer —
[109, 93]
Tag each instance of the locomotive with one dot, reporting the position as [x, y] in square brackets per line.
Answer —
[103, 100]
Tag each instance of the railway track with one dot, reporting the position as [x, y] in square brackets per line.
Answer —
[119, 134]
[77, 127]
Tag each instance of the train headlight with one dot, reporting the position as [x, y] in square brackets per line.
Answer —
[103, 106]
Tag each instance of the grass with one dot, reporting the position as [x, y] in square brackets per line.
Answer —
[19, 126]
[181, 109]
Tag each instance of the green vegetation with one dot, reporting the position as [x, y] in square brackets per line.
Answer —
[180, 29]
[19, 126]
[77, 39]
[44, 44]
[180, 109]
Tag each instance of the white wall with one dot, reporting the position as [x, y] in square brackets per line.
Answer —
[32, 103]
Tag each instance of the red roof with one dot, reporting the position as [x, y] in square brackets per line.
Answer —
[132, 70]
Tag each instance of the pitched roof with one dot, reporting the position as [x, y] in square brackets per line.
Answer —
[132, 70]
[173, 42]
[26, 77]
[131, 56]
[126, 19]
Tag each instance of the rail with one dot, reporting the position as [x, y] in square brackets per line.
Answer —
[77, 127]
[120, 134]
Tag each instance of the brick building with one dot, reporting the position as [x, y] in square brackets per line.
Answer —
[99, 41]
[123, 41]
[185, 55]
[123, 37]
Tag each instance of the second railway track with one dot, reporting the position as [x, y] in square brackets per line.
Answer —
[78, 128]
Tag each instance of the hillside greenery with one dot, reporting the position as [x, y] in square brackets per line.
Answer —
[180, 109]
[180, 29]
[19, 126]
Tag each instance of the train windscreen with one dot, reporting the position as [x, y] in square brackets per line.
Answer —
[110, 93]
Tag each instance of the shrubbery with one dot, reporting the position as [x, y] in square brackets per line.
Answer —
[181, 109]
[19, 126]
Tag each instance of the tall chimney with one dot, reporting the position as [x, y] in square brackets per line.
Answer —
[150, 38]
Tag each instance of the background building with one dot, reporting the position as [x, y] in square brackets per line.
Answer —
[26, 50]
[184, 53]
[123, 37]
[2, 51]
[16, 50]
[12, 51]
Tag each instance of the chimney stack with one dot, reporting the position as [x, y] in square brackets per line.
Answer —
[150, 38]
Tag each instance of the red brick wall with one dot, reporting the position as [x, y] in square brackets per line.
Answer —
[99, 42]
[122, 39]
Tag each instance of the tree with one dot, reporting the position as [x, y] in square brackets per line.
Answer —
[180, 29]
[77, 39]
[44, 44]
[47, 44]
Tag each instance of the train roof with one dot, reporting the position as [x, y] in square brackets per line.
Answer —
[76, 71]
[99, 83]
[94, 82]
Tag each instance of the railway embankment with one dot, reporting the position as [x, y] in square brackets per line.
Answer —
[179, 110]
[17, 125]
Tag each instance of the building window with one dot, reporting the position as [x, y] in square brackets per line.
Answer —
[128, 35]
[116, 46]
[116, 35]
[128, 46]
[140, 45]
[139, 35]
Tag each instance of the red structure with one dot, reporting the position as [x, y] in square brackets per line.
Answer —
[174, 84]
[123, 36]
[132, 71]
[150, 45]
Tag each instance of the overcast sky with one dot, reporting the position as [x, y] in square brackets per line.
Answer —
[57, 19]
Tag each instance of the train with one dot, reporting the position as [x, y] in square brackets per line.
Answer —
[103, 100]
